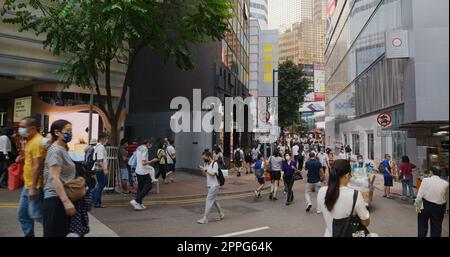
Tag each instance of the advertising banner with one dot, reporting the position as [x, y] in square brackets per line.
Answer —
[22, 108]
[319, 78]
[397, 44]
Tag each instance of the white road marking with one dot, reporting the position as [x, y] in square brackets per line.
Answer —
[243, 232]
[98, 229]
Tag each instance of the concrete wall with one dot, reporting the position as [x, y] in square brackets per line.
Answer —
[430, 50]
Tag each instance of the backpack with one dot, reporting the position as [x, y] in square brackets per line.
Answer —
[237, 156]
[87, 174]
[220, 177]
[133, 160]
[381, 168]
[348, 149]
[89, 159]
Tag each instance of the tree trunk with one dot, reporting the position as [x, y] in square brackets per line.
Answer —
[114, 137]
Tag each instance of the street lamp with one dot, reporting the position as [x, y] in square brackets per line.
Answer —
[273, 82]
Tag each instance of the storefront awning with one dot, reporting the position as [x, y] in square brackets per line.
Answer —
[425, 125]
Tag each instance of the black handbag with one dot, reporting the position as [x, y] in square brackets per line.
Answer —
[350, 226]
[298, 175]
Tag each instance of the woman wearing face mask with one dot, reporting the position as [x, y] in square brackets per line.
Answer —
[288, 177]
[335, 200]
[58, 168]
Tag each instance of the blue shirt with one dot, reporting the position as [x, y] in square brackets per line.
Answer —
[313, 166]
[386, 165]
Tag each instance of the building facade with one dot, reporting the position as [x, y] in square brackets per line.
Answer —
[303, 41]
[259, 11]
[386, 58]
[222, 70]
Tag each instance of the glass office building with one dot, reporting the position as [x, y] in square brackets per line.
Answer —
[364, 79]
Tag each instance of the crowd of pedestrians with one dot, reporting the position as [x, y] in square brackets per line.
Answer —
[57, 191]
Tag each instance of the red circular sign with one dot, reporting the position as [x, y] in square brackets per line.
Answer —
[384, 119]
[397, 42]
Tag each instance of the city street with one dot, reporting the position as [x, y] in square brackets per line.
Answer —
[245, 216]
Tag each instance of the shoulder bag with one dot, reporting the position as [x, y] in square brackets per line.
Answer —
[350, 226]
[75, 188]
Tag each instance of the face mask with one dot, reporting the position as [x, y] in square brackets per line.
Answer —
[23, 132]
[360, 161]
[46, 142]
[67, 137]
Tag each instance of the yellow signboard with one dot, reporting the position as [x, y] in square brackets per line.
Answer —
[267, 48]
[268, 77]
[22, 108]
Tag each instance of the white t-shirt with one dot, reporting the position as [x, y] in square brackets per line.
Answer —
[5, 145]
[295, 149]
[100, 154]
[341, 208]
[342, 156]
[211, 180]
[170, 151]
[142, 154]
[323, 158]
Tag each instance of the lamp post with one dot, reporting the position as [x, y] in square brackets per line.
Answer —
[273, 82]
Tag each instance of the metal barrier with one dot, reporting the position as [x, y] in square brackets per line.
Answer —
[112, 156]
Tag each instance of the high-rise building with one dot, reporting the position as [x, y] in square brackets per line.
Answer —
[221, 70]
[259, 11]
[303, 42]
[387, 79]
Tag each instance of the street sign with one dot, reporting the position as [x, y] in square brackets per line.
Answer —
[384, 119]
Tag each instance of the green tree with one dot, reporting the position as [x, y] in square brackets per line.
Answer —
[292, 88]
[96, 33]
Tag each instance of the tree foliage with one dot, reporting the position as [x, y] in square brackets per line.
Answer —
[292, 88]
[95, 33]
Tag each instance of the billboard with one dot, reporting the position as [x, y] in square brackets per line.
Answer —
[329, 10]
[319, 78]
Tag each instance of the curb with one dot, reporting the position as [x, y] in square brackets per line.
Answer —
[176, 198]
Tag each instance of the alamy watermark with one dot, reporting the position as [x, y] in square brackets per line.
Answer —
[212, 115]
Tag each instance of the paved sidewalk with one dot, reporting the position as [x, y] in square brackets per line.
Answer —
[187, 185]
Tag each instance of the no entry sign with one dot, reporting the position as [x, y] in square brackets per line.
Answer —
[384, 119]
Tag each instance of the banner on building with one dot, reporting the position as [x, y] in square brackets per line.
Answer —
[397, 44]
[309, 97]
[319, 78]
[319, 97]
[22, 108]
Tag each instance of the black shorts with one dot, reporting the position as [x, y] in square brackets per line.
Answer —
[275, 175]
[261, 180]
[171, 167]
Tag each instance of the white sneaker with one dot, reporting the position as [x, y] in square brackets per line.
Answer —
[318, 212]
[143, 206]
[136, 205]
[221, 216]
[202, 221]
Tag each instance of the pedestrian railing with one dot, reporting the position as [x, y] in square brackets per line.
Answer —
[112, 156]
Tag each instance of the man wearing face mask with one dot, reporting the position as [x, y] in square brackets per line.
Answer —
[101, 170]
[32, 197]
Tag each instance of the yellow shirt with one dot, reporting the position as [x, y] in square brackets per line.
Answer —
[33, 149]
